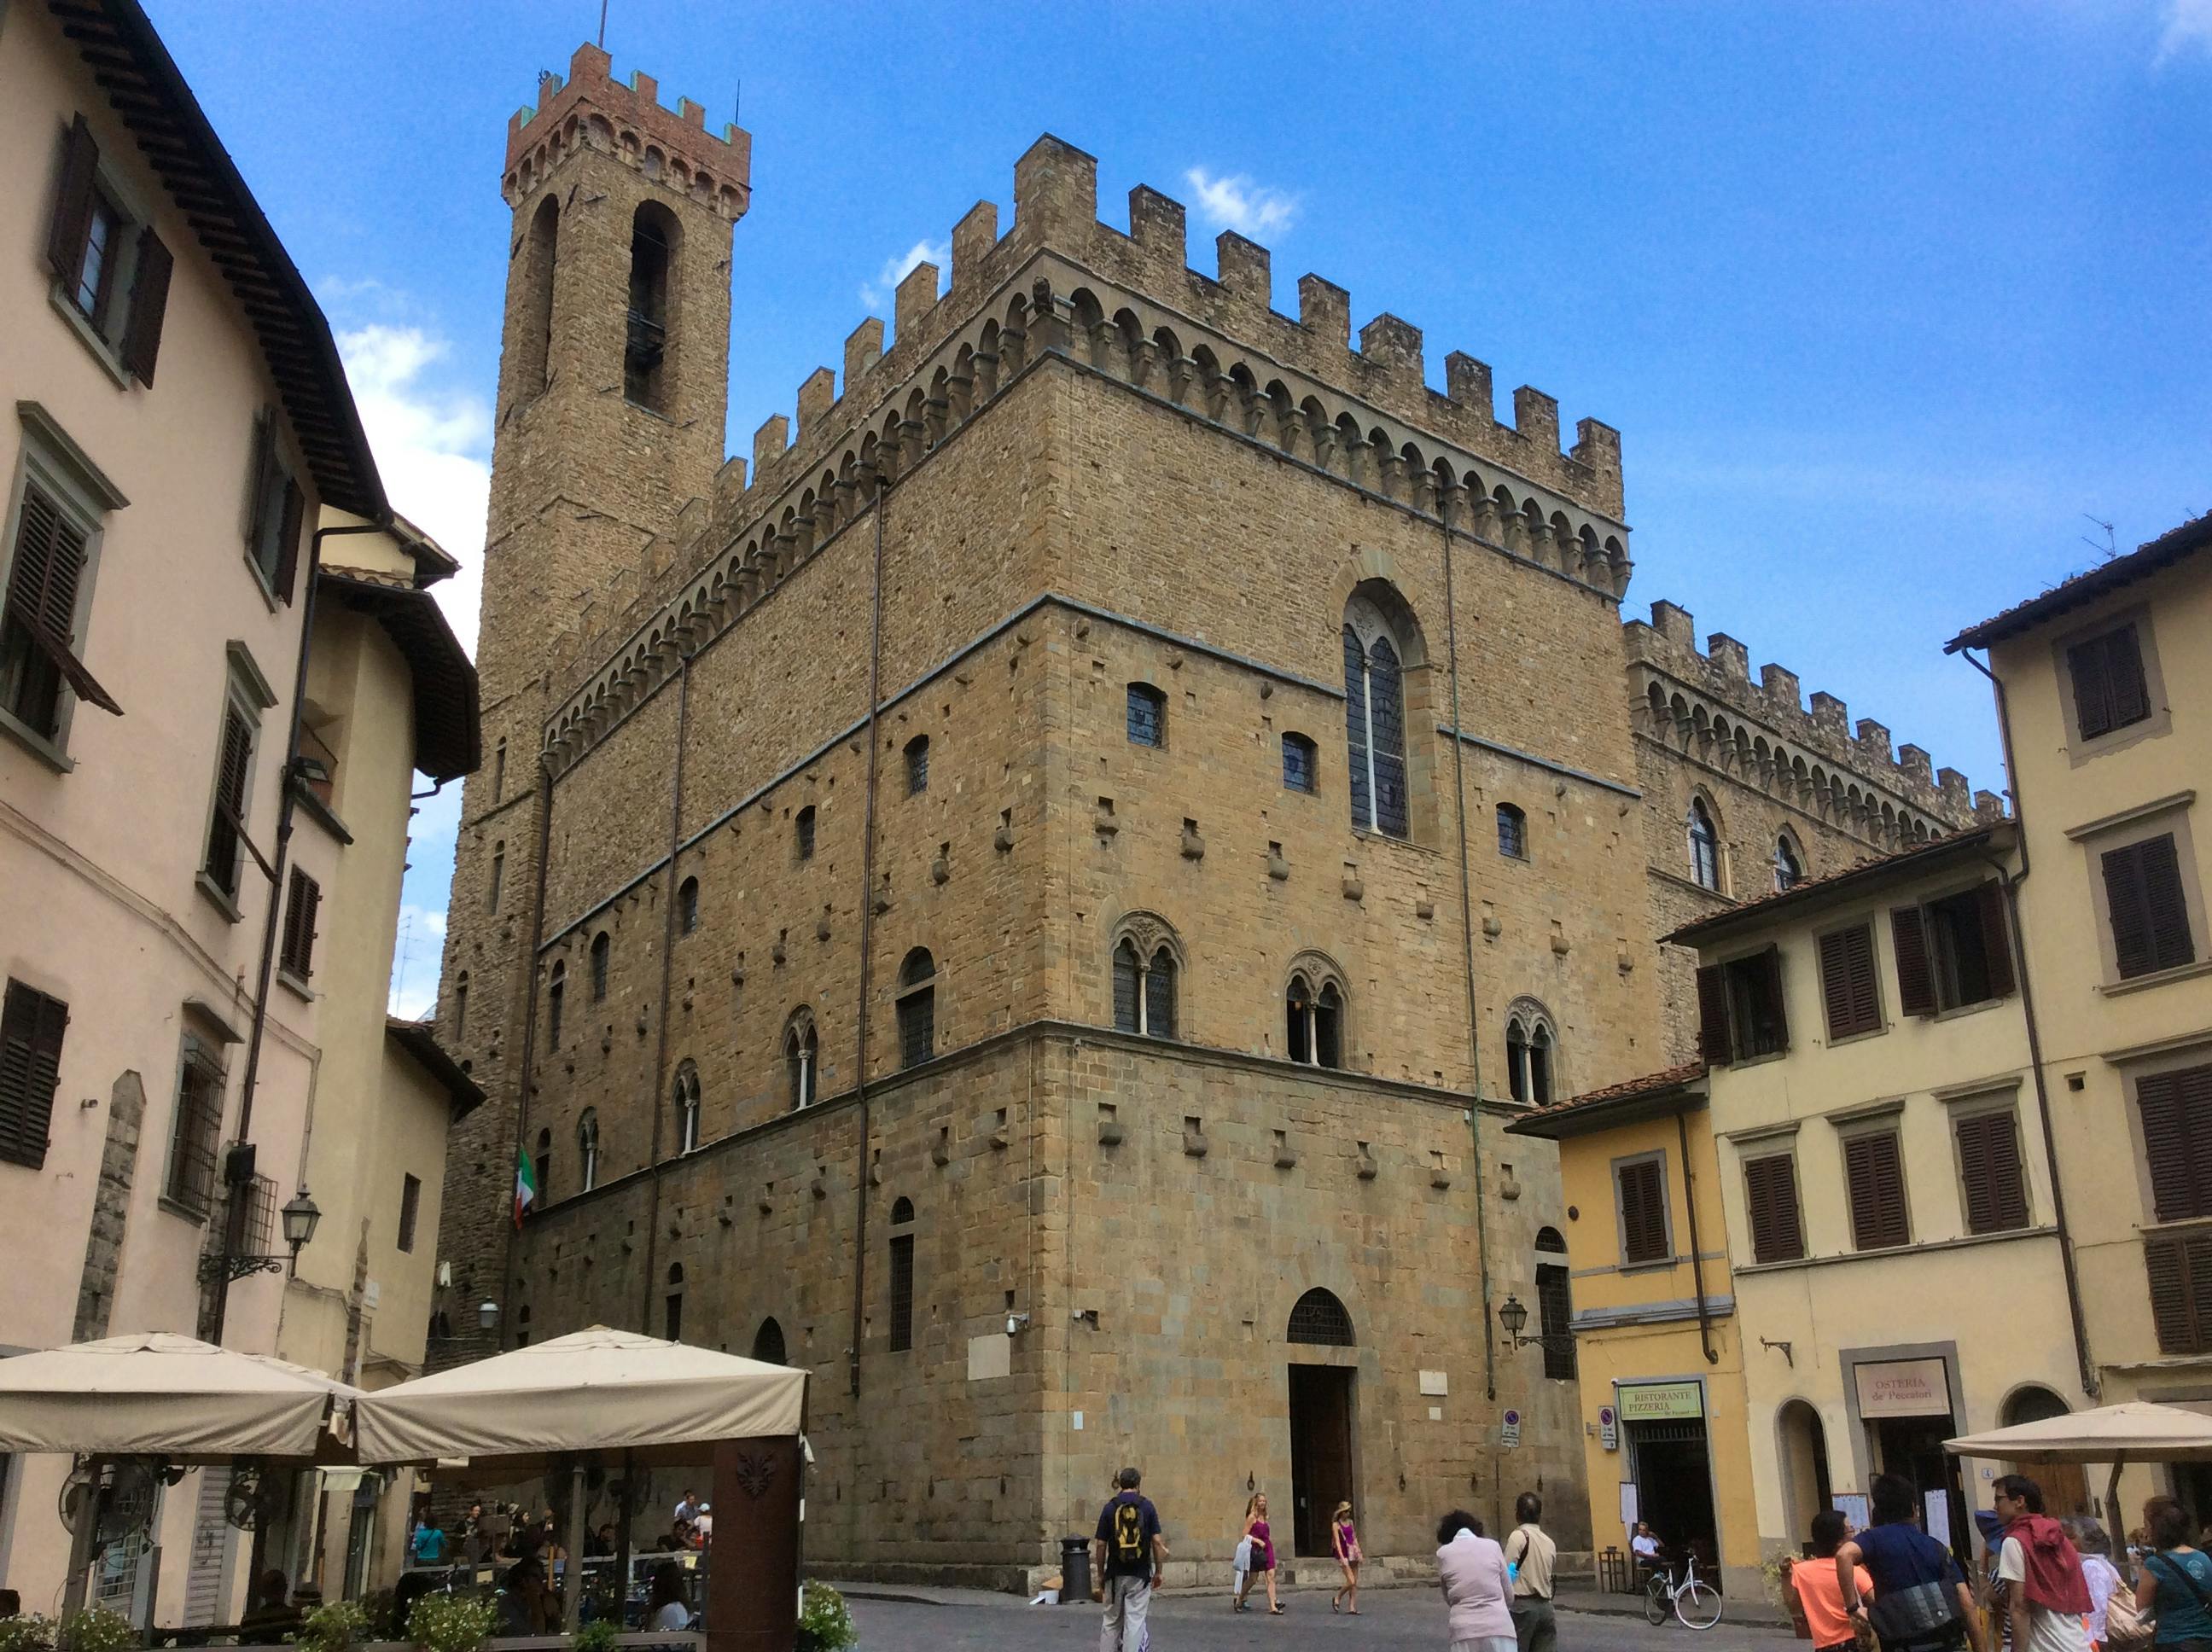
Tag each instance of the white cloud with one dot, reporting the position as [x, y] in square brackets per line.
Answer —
[1251, 209]
[2187, 28]
[434, 447]
[879, 292]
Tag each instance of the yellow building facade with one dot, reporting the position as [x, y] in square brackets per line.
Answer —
[1894, 1237]
[2105, 700]
[1657, 1342]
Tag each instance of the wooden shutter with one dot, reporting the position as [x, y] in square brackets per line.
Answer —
[1643, 1212]
[1713, 1016]
[1769, 1188]
[288, 539]
[2176, 1109]
[72, 219]
[306, 899]
[43, 582]
[2178, 1270]
[229, 825]
[1768, 965]
[1996, 939]
[2123, 676]
[256, 479]
[1875, 1178]
[1847, 982]
[149, 302]
[31, 1029]
[2092, 692]
[1989, 1166]
[1916, 980]
[2149, 911]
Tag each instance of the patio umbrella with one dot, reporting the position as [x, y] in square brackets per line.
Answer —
[2135, 1431]
[156, 1394]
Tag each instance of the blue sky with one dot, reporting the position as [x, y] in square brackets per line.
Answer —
[1886, 300]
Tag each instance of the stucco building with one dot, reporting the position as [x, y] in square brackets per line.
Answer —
[202, 820]
[2104, 684]
[1009, 897]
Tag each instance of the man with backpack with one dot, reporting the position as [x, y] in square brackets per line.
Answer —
[1921, 1600]
[1125, 1547]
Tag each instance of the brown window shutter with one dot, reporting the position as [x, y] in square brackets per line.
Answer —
[1876, 1180]
[2147, 908]
[1643, 1212]
[288, 541]
[309, 904]
[1771, 1190]
[230, 822]
[2176, 1109]
[2123, 676]
[31, 1030]
[1996, 939]
[72, 219]
[1769, 967]
[1713, 1016]
[42, 580]
[256, 479]
[149, 302]
[1847, 982]
[1989, 1166]
[2178, 1270]
[1915, 981]
[2092, 690]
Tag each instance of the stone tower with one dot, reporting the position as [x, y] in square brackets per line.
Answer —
[613, 381]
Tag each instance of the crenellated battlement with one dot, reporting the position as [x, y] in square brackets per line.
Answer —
[626, 121]
[1705, 702]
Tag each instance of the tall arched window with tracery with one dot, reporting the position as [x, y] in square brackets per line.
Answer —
[1375, 717]
[1789, 865]
[802, 1049]
[587, 1149]
[1314, 1014]
[1705, 846]
[686, 1098]
[1531, 1053]
[1147, 977]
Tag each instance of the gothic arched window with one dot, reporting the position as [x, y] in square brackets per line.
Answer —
[588, 1150]
[1705, 846]
[1314, 1010]
[686, 1098]
[602, 948]
[800, 1051]
[1531, 1052]
[917, 1008]
[687, 906]
[768, 1343]
[1146, 972]
[1375, 713]
[1788, 870]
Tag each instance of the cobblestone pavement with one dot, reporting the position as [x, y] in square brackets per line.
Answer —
[1391, 1620]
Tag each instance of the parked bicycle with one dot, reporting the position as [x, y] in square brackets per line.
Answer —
[1695, 1602]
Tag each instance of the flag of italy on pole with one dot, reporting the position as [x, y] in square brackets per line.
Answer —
[526, 1185]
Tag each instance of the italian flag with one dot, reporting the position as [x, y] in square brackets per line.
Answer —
[525, 1185]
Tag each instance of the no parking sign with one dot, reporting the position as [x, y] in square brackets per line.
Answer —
[1509, 1430]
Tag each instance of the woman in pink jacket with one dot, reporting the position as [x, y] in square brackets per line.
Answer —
[1477, 1592]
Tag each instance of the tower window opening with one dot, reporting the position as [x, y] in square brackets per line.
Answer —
[645, 345]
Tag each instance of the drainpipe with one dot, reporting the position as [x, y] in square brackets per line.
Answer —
[1466, 935]
[1697, 1262]
[234, 1213]
[2010, 883]
[867, 937]
[528, 1082]
[667, 975]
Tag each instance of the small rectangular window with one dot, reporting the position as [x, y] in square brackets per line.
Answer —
[1148, 716]
[2109, 689]
[411, 1207]
[197, 1130]
[227, 832]
[917, 765]
[1953, 952]
[2147, 906]
[802, 832]
[1990, 1168]
[1874, 1177]
[278, 510]
[42, 614]
[31, 1029]
[2176, 1109]
[1770, 1191]
[901, 1282]
[1848, 985]
[1512, 832]
[1641, 1185]
[1740, 1009]
[1555, 1317]
[298, 954]
[1298, 754]
[110, 267]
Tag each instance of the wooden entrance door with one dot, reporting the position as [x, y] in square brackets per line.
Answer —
[1321, 1454]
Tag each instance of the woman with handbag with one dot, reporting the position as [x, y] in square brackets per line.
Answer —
[2175, 1584]
[2102, 1577]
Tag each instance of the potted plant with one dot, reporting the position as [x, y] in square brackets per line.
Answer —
[334, 1626]
[95, 1629]
[825, 1623]
[28, 1633]
[452, 1622]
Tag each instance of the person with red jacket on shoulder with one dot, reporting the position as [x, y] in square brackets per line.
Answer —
[2046, 1595]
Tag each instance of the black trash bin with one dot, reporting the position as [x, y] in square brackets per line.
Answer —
[1074, 1569]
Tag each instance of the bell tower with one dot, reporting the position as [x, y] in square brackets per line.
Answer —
[613, 386]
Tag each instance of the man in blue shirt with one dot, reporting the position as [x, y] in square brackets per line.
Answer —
[1125, 1547]
[430, 1543]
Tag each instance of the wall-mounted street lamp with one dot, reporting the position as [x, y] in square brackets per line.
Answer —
[487, 1315]
[1513, 1317]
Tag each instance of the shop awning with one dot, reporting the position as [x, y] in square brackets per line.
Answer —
[2134, 1431]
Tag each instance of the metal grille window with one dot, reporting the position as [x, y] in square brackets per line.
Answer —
[1555, 1315]
[917, 765]
[197, 1128]
[298, 953]
[1319, 1317]
[1512, 832]
[1375, 713]
[917, 1008]
[901, 1279]
[410, 1209]
[1148, 716]
[31, 1029]
[1298, 764]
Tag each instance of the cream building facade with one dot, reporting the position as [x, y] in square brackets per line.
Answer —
[2105, 696]
[1894, 1230]
[178, 425]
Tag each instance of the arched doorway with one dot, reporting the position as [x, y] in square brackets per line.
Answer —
[1804, 1448]
[1321, 1414]
[2065, 1486]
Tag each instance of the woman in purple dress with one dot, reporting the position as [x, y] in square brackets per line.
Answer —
[1263, 1552]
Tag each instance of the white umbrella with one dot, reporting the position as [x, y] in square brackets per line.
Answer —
[2136, 1431]
[595, 1390]
[157, 1394]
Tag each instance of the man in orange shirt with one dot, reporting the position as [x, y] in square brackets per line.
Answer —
[1820, 1591]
